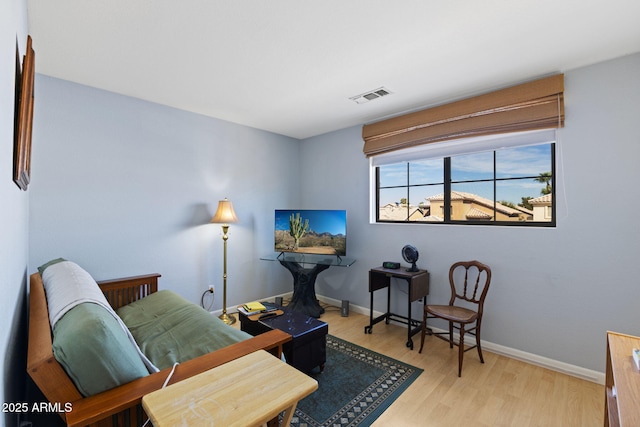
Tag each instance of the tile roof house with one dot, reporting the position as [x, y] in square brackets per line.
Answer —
[400, 212]
[542, 207]
[464, 207]
[469, 206]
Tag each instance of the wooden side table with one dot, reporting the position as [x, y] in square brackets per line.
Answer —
[248, 391]
[418, 287]
[622, 384]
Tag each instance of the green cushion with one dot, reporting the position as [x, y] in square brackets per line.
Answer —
[94, 350]
[170, 329]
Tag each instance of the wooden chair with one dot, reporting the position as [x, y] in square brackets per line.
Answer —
[469, 285]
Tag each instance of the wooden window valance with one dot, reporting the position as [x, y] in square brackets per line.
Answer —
[529, 106]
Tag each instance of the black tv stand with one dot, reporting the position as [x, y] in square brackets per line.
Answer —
[304, 294]
[304, 278]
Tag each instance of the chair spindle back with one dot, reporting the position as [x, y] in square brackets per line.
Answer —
[475, 272]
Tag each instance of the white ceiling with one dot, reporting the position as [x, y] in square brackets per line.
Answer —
[290, 66]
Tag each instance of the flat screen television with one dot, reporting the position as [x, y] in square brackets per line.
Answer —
[307, 231]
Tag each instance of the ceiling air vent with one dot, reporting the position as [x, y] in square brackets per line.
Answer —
[371, 95]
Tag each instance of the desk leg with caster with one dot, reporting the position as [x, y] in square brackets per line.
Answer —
[418, 289]
[409, 321]
[369, 328]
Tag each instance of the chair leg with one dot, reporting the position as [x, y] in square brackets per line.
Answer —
[460, 350]
[478, 341]
[423, 331]
[450, 334]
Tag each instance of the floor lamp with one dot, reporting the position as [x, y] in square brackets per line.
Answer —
[225, 215]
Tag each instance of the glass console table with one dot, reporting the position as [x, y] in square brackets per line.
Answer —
[305, 269]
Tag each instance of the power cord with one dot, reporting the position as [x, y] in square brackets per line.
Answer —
[173, 369]
[209, 306]
[170, 375]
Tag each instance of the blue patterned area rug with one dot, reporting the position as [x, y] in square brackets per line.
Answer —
[355, 388]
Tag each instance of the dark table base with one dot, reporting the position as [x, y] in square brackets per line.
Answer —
[304, 283]
[307, 349]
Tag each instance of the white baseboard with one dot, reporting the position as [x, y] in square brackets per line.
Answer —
[545, 362]
[534, 359]
[352, 307]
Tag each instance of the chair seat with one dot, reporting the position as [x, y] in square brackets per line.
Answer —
[452, 313]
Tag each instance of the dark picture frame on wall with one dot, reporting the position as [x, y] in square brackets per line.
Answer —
[24, 117]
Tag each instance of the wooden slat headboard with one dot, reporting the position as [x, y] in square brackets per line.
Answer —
[121, 292]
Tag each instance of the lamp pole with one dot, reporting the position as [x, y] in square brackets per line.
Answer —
[225, 215]
[226, 318]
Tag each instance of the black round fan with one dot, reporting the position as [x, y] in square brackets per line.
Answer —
[410, 255]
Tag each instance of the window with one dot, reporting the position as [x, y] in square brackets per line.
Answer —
[497, 180]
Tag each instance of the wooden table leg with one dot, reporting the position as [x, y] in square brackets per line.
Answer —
[288, 415]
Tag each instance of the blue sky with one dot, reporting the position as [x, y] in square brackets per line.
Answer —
[320, 221]
[510, 163]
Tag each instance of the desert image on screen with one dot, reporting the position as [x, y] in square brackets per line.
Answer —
[311, 231]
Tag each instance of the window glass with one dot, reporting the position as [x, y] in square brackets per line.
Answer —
[505, 186]
[393, 196]
[472, 201]
[420, 201]
[393, 175]
[523, 161]
[472, 167]
[428, 171]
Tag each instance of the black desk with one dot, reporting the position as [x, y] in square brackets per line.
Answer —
[418, 287]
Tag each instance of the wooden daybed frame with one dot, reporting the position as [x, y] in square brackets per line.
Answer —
[119, 406]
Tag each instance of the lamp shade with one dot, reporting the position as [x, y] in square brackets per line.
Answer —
[225, 213]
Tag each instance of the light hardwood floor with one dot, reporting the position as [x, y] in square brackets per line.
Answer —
[500, 392]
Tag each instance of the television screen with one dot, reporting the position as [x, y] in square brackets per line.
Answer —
[311, 231]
